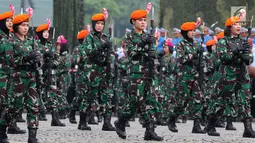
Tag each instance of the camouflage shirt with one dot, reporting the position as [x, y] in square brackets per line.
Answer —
[21, 49]
[138, 56]
[230, 63]
[6, 52]
[187, 57]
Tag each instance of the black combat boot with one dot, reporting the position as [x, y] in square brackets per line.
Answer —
[248, 131]
[230, 124]
[42, 116]
[210, 128]
[3, 135]
[120, 128]
[19, 118]
[150, 133]
[220, 123]
[203, 121]
[14, 129]
[32, 136]
[142, 122]
[127, 124]
[107, 126]
[99, 117]
[62, 114]
[132, 119]
[83, 123]
[91, 119]
[71, 117]
[162, 122]
[196, 127]
[184, 119]
[55, 120]
[171, 124]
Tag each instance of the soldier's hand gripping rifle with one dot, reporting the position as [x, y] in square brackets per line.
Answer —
[243, 54]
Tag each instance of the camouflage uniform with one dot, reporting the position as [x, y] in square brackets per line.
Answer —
[63, 79]
[100, 86]
[141, 94]
[6, 58]
[23, 84]
[208, 70]
[230, 101]
[6, 67]
[122, 84]
[167, 85]
[49, 78]
[189, 91]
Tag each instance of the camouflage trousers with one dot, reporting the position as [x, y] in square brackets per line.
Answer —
[23, 93]
[189, 96]
[141, 97]
[4, 97]
[85, 102]
[3, 89]
[51, 91]
[63, 82]
[166, 98]
[96, 92]
[229, 101]
[122, 91]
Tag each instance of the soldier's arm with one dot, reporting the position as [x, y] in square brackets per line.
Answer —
[183, 56]
[133, 48]
[92, 47]
[2, 44]
[225, 55]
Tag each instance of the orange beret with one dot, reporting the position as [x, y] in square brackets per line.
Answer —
[188, 26]
[98, 17]
[6, 15]
[232, 20]
[137, 14]
[82, 34]
[20, 18]
[210, 42]
[42, 27]
[220, 35]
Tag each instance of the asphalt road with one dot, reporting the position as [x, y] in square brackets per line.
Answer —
[70, 134]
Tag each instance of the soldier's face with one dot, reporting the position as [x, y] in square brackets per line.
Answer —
[46, 34]
[191, 34]
[23, 28]
[140, 23]
[99, 26]
[9, 23]
[166, 49]
[235, 29]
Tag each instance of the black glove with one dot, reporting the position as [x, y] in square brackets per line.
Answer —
[245, 46]
[31, 55]
[150, 39]
[235, 50]
[49, 54]
[107, 44]
[246, 59]
[50, 65]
